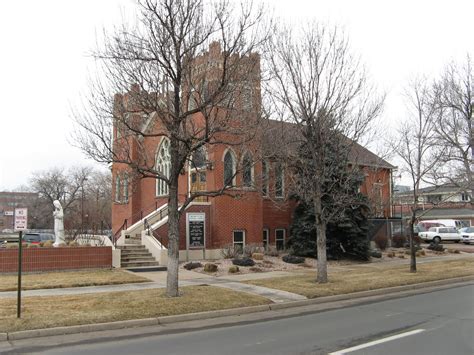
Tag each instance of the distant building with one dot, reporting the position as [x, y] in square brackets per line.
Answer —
[401, 188]
[11, 200]
[447, 201]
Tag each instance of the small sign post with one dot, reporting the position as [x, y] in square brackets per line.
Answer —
[21, 219]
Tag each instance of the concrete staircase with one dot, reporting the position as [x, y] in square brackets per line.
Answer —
[136, 257]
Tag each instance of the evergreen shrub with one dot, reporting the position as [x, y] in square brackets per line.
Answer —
[293, 259]
[243, 262]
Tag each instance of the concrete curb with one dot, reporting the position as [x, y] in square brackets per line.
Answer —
[213, 314]
[85, 328]
[391, 291]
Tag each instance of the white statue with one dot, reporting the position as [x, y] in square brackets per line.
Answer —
[58, 224]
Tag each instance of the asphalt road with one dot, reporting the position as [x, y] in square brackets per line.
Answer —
[440, 322]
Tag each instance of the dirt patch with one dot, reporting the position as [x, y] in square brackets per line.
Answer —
[269, 263]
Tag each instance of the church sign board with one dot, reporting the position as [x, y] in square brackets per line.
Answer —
[196, 230]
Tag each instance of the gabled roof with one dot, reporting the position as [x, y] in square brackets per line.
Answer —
[280, 137]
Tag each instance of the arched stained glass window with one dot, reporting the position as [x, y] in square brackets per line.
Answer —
[163, 165]
[247, 170]
[229, 168]
[125, 188]
[279, 181]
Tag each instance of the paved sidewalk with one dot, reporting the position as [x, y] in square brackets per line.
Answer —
[276, 296]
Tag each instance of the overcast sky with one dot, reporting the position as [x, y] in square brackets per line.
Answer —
[44, 62]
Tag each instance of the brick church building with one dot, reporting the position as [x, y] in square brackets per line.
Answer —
[256, 210]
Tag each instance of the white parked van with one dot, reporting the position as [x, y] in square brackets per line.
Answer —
[446, 223]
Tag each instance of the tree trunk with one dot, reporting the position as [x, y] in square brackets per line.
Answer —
[322, 274]
[173, 242]
[412, 242]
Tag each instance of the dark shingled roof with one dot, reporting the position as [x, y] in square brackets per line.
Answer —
[448, 188]
[280, 137]
[447, 213]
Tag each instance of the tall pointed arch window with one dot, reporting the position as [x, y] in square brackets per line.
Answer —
[229, 169]
[247, 166]
[125, 188]
[279, 181]
[117, 188]
[265, 178]
[163, 165]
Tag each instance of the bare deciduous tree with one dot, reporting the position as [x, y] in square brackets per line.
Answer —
[98, 202]
[416, 145]
[195, 75]
[320, 87]
[58, 184]
[454, 102]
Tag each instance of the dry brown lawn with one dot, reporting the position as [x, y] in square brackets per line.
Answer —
[68, 279]
[46, 312]
[371, 277]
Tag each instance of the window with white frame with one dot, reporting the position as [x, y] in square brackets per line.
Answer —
[247, 168]
[279, 181]
[163, 165]
[229, 169]
[280, 238]
[239, 239]
[266, 233]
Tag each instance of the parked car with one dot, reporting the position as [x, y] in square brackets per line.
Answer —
[436, 234]
[467, 235]
[36, 238]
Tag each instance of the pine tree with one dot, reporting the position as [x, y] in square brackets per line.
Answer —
[346, 208]
[347, 238]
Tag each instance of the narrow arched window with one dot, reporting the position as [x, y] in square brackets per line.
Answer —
[125, 188]
[247, 170]
[163, 166]
[264, 178]
[229, 169]
[279, 181]
[117, 188]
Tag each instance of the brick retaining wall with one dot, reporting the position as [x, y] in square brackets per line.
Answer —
[48, 259]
